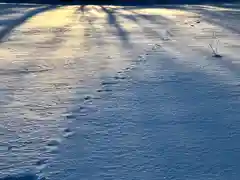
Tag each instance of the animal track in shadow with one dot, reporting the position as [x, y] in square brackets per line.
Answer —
[54, 142]
[66, 130]
[118, 77]
[141, 58]
[52, 149]
[52, 145]
[87, 98]
[84, 110]
[104, 90]
[41, 164]
[108, 83]
[148, 51]
[68, 115]
[68, 133]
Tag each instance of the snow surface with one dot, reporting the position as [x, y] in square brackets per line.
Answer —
[112, 92]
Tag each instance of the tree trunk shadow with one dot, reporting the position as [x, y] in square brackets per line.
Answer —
[113, 22]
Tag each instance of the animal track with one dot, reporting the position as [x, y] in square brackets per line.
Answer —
[67, 130]
[68, 115]
[109, 83]
[10, 148]
[41, 164]
[52, 145]
[52, 149]
[68, 133]
[87, 98]
[54, 142]
[119, 77]
[104, 90]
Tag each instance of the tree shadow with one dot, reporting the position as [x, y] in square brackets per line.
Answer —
[8, 8]
[10, 24]
[113, 22]
[81, 8]
[112, 14]
[212, 14]
[91, 33]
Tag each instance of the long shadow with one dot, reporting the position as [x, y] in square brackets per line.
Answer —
[225, 62]
[135, 17]
[229, 5]
[12, 24]
[217, 17]
[91, 32]
[81, 8]
[112, 21]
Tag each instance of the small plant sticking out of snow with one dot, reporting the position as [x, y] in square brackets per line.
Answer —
[214, 47]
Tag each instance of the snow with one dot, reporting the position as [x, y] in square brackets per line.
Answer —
[119, 92]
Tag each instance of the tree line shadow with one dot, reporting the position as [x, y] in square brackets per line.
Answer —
[113, 14]
[7, 25]
[115, 26]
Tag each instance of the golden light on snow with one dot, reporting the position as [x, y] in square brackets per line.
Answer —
[52, 18]
[69, 33]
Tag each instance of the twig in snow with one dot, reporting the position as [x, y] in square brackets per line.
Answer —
[215, 48]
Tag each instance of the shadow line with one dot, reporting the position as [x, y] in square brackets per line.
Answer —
[112, 21]
[17, 22]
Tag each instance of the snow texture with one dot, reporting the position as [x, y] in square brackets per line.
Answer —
[119, 92]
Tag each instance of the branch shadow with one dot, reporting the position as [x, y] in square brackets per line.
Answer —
[225, 61]
[10, 24]
[113, 22]
[91, 32]
[212, 14]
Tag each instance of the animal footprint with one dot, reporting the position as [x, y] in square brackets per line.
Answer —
[52, 149]
[68, 132]
[54, 142]
[41, 164]
[141, 57]
[119, 77]
[108, 83]
[82, 109]
[104, 90]
[52, 145]
[87, 98]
